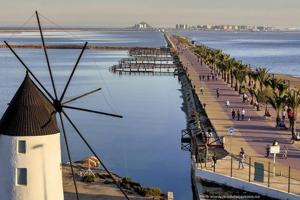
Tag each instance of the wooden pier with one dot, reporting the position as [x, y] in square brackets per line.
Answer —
[147, 61]
[144, 67]
[158, 52]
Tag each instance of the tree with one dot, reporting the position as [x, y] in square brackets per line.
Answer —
[252, 94]
[254, 77]
[277, 101]
[262, 76]
[262, 98]
[240, 74]
[293, 101]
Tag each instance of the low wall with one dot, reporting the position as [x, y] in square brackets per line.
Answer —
[244, 185]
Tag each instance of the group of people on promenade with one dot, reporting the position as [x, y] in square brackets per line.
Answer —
[241, 159]
[239, 115]
[208, 77]
[235, 114]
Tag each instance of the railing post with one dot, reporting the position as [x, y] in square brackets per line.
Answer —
[214, 167]
[249, 169]
[269, 168]
[289, 181]
[231, 163]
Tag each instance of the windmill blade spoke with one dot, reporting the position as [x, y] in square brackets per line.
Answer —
[94, 153]
[29, 71]
[92, 111]
[69, 155]
[46, 54]
[82, 95]
[72, 73]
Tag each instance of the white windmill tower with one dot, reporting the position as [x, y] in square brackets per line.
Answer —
[30, 152]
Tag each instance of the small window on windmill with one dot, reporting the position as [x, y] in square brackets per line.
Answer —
[21, 178]
[22, 146]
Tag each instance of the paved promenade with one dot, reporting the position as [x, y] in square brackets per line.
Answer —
[253, 133]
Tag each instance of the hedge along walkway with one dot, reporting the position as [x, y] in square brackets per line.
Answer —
[252, 135]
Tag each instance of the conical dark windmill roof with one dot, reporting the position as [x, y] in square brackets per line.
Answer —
[29, 113]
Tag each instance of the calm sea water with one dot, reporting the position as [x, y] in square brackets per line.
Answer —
[278, 51]
[109, 38]
[145, 144]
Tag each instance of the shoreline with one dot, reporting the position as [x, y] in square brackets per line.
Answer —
[103, 186]
[294, 80]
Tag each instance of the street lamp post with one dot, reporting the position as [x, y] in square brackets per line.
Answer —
[275, 149]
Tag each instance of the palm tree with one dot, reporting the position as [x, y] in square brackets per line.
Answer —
[293, 101]
[254, 77]
[241, 77]
[272, 82]
[277, 101]
[262, 76]
[240, 74]
[261, 97]
[252, 94]
[282, 86]
[249, 71]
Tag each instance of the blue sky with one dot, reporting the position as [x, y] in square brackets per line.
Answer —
[155, 12]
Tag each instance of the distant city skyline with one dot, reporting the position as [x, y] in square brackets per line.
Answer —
[165, 13]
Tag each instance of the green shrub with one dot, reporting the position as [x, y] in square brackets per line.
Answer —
[146, 192]
[88, 178]
[129, 182]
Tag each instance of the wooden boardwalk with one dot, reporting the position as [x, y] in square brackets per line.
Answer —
[254, 133]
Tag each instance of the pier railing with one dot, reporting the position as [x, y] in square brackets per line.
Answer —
[256, 170]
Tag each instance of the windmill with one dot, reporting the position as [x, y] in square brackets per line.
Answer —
[57, 105]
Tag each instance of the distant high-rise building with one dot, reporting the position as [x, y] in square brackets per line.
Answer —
[142, 26]
[182, 26]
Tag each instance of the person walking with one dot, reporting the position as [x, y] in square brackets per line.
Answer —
[238, 114]
[233, 114]
[218, 92]
[285, 152]
[214, 161]
[268, 151]
[241, 159]
[201, 89]
[244, 97]
[243, 114]
[227, 103]
[284, 114]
